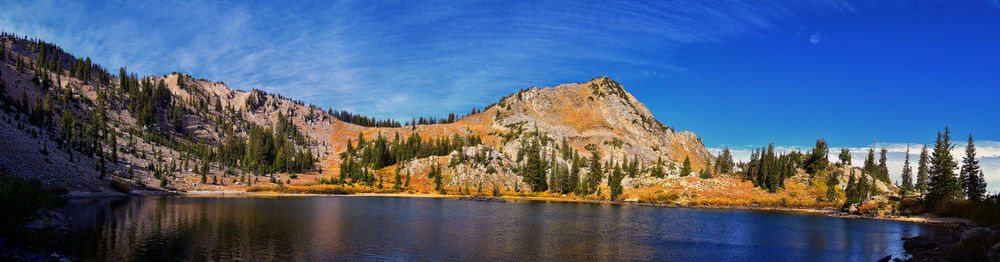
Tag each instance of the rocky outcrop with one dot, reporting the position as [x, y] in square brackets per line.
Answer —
[597, 115]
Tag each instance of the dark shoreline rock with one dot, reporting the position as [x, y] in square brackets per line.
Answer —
[483, 199]
[953, 243]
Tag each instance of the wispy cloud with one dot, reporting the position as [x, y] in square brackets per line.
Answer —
[446, 57]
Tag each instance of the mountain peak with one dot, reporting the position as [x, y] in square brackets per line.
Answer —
[599, 115]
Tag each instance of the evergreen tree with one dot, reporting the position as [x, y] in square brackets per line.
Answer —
[706, 172]
[615, 182]
[817, 160]
[907, 176]
[595, 175]
[852, 192]
[657, 171]
[883, 169]
[438, 184]
[686, 167]
[724, 163]
[943, 186]
[534, 168]
[845, 156]
[974, 184]
[870, 167]
[923, 170]
[831, 187]
[573, 181]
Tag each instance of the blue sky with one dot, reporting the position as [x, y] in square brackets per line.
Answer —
[737, 73]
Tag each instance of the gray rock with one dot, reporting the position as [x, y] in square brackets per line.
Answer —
[995, 252]
[978, 236]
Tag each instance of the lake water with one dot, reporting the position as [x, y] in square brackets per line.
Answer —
[390, 228]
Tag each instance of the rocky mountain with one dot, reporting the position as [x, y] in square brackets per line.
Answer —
[78, 127]
[599, 115]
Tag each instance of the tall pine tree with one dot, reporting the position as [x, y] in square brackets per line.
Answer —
[974, 185]
[943, 186]
[907, 175]
[686, 167]
[923, 170]
[883, 169]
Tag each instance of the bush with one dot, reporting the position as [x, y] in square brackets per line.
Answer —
[661, 197]
[120, 186]
[21, 201]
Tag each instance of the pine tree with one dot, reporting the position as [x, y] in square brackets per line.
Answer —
[852, 191]
[595, 175]
[907, 175]
[573, 181]
[883, 169]
[724, 164]
[943, 186]
[686, 167]
[817, 160]
[845, 156]
[974, 184]
[615, 182]
[438, 184]
[870, 167]
[831, 187]
[922, 171]
[706, 173]
[534, 168]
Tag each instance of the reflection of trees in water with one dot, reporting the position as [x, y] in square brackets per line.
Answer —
[357, 228]
[180, 229]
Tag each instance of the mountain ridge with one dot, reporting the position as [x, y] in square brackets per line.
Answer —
[185, 124]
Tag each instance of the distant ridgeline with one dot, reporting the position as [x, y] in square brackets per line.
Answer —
[366, 121]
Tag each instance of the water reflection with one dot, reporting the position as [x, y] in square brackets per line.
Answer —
[355, 228]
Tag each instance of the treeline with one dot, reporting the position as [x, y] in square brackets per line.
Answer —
[360, 161]
[768, 169]
[52, 58]
[268, 150]
[565, 177]
[937, 185]
[367, 121]
[150, 103]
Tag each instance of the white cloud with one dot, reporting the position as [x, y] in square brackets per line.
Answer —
[815, 38]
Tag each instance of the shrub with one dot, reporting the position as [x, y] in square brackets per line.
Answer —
[661, 197]
[867, 207]
[120, 186]
[21, 201]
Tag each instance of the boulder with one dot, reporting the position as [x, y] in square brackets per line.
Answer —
[978, 236]
[995, 252]
[918, 243]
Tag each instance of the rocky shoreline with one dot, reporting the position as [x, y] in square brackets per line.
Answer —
[960, 242]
